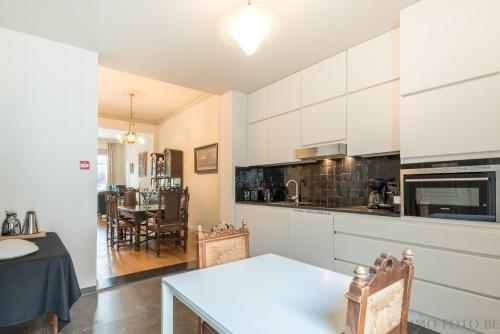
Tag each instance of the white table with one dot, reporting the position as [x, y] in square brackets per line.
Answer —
[264, 294]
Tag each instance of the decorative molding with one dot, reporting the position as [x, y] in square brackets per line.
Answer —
[126, 119]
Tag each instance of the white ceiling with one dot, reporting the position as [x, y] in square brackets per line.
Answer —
[155, 100]
[176, 41]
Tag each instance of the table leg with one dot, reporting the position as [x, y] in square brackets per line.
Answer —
[167, 310]
[137, 225]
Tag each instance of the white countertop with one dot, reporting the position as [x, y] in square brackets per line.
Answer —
[265, 294]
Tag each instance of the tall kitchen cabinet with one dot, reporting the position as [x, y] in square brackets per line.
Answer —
[450, 80]
[373, 96]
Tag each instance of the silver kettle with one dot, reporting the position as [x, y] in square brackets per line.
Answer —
[30, 225]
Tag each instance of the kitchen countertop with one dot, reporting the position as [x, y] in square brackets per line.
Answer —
[311, 206]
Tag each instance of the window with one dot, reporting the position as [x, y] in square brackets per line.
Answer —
[102, 171]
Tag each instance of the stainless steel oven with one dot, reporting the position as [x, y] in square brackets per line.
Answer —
[459, 192]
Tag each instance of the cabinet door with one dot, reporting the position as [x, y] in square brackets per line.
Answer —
[257, 105]
[284, 137]
[271, 231]
[373, 120]
[284, 95]
[257, 143]
[455, 120]
[246, 213]
[311, 238]
[324, 122]
[373, 62]
[448, 41]
[324, 80]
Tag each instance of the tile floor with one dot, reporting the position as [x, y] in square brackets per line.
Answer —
[127, 309]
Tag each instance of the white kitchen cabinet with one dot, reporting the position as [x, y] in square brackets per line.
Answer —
[284, 137]
[373, 120]
[373, 62]
[457, 120]
[311, 238]
[270, 231]
[324, 80]
[284, 95]
[448, 41]
[324, 122]
[257, 143]
[246, 213]
[257, 105]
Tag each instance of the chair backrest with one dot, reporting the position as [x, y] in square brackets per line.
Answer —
[129, 197]
[170, 202]
[184, 210]
[378, 303]
[223, 245]
[112, 207]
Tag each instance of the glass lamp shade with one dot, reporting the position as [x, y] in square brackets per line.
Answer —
[249, 29]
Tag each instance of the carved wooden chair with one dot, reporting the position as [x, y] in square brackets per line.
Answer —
[118, 228]
[171, 222]
[223, 244]
[129, 197]
[378, 303]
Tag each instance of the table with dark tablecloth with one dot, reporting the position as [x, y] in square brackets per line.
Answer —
[37, 284]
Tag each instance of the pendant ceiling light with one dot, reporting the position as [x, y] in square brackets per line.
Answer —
[249, 27]
[131, 136]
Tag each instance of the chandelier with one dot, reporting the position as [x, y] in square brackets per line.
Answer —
[248, 27]
[131, 136]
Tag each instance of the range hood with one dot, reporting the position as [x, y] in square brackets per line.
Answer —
[332, 151]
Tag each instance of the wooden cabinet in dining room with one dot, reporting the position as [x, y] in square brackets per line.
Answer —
[373, 62]
[311, 238]
[257, 143]
[270, 231]
[324, 122]
[257, 105]
[448, 41]
[324, 80]
[373, 120]
[284, 137]
[284, 95]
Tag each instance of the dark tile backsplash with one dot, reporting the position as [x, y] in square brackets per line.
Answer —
[329, 183]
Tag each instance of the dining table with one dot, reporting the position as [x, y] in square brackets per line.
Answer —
[262, 294]
[137, 214]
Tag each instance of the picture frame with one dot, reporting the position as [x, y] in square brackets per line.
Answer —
[206, 159]
[143, 164]
[131, 168]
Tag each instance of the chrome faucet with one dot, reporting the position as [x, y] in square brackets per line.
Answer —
[295, 197]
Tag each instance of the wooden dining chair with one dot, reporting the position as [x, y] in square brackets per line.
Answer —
[222, 245]
[119, 228]
[378, 303]
[130, 197]
[170, 222]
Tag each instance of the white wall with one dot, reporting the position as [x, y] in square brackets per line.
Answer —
[132, 156]
[194, 127]
[48, 116]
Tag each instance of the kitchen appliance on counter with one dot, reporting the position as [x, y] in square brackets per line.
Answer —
[11, 225]
[376, 197]
[452, 192]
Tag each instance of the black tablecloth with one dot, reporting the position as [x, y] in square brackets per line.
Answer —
[37, 284]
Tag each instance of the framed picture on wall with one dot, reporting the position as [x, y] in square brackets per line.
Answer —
[131, 168]
[143, 160]
[206, 159]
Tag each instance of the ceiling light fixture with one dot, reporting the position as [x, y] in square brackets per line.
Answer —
[131, 136]
[249, 27]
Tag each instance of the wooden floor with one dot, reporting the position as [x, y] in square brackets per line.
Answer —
[111, 263]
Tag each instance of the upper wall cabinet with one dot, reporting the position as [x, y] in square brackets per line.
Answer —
[373, 62]
[459, 119]
[448, 41]
[373, 120]
[324, 122]
[284, 95]
[257, 143]
[284, 138]
[324, 80]
[257, 105]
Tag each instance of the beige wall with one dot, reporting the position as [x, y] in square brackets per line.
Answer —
[194, 127]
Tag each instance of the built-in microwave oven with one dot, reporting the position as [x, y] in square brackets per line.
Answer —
[459, 192]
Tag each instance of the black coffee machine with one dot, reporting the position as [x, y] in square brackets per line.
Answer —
[376, 197]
